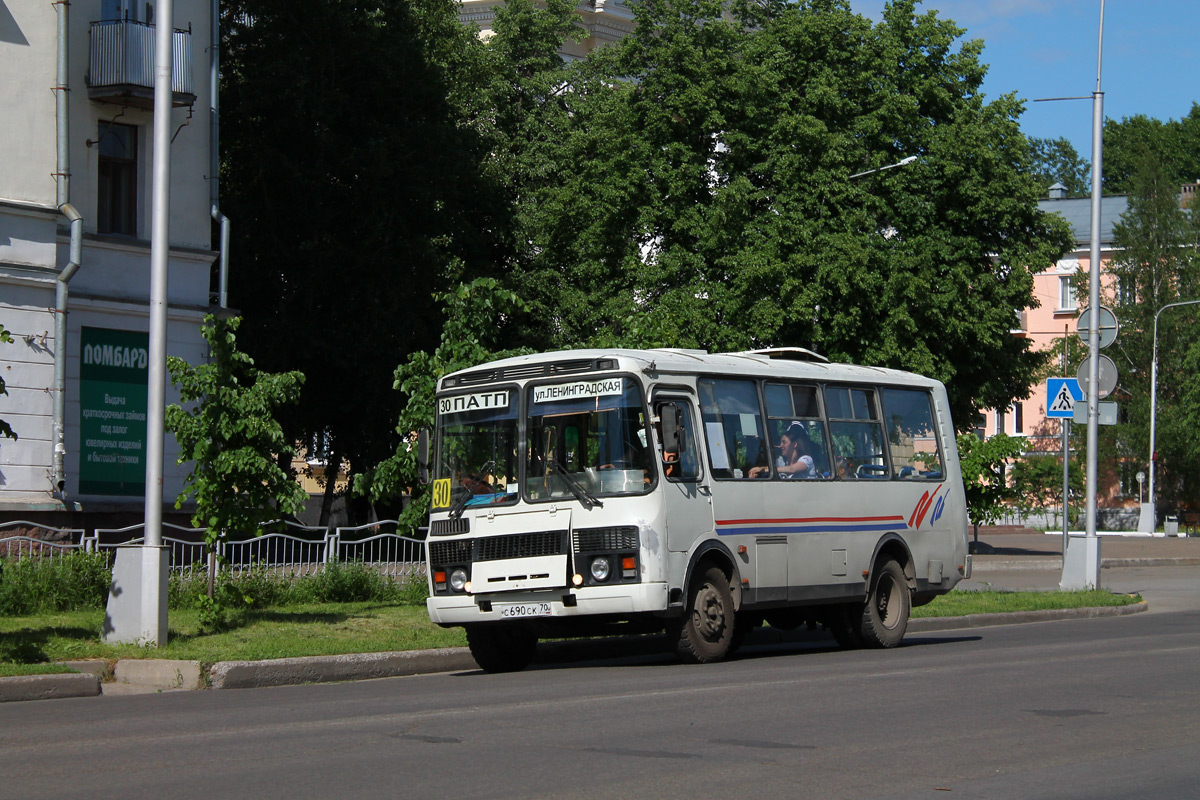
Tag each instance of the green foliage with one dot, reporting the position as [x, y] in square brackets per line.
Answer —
[698, 193]
[1158, 263]
[234, 443]
[353, 164]
[76, 580]
[477, 315]
[5, 429]
[983, 464]
[231, 437]
[1174, 145]
[337, 582]
[1056, 161]
[1037, 484]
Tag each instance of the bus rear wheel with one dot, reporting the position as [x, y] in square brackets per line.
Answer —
[705, 634]
[885, 617]
[501, 648]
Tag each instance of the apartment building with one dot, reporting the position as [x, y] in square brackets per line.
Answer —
[76, 87]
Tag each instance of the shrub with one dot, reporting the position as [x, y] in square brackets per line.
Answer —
[76, 580]
[81, 580]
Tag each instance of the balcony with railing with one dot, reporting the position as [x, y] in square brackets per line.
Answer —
[121, 65]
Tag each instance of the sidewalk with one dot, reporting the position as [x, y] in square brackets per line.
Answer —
[1000, 550]
[1163, 570]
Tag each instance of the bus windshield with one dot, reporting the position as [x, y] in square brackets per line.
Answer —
[477, 448]
[587, 438]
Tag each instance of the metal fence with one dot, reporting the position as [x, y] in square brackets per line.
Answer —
[19, 547]
[294, 550]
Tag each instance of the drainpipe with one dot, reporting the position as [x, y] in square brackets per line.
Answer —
[214, 64]
[76, 252]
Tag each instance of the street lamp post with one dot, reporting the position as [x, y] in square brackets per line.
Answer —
[1081, 560]
[901, 163]
[1148, 517]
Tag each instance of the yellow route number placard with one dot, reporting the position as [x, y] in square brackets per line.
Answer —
[441, 493]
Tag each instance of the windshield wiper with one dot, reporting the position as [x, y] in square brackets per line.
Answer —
[489, 468]
[581, 494]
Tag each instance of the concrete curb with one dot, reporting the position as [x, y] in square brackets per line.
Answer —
[158, 673]
[325, 669]
[1054, 563]
[47, 687]
[1021, 617]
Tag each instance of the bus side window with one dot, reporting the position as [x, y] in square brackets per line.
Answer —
[856, 433]
[732, 426]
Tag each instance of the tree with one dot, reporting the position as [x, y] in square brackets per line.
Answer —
[702, 196]
[1037, 483]
[353, 175]
[5, 429]
[984, 485]
[1158, 263]
[477, 315]
[1056, 161]
[231, 437]
[1174, 144]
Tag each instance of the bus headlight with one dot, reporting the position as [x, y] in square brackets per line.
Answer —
[601, 568]
[458, 579]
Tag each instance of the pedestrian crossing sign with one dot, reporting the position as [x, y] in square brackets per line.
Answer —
[1061, 396]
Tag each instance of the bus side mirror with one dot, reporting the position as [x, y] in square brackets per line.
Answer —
[423, 456]
[673, 438]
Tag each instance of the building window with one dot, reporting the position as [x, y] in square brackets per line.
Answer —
[980, 428]
[1126, 292]
[1018, 419]
[1066, 293]
[116, 201]
[999, 422]
[1127, 475]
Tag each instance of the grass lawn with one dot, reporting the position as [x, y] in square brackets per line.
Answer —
[28, 645]
[308, 630]
[961, 603]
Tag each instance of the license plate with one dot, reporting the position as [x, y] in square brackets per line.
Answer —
[519, 610]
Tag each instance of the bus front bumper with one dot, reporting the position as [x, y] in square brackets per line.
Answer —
[463, 609]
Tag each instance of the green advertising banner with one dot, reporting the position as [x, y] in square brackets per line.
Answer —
[112, 411]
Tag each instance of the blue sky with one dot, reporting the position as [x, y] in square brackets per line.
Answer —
[1047, 48]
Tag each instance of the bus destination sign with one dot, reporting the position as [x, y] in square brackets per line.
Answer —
[607, 387]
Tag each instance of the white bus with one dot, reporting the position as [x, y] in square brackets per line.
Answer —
[603, 491]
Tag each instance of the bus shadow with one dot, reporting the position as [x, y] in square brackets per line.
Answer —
[655, 650]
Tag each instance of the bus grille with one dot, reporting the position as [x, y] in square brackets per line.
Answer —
[605, 540]
[446, 553]
[449, 527]
[496, 548]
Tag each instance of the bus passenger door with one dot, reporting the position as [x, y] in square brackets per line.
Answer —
[687, 501]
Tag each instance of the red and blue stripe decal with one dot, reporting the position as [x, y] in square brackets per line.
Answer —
[733, 527]
[730, 527]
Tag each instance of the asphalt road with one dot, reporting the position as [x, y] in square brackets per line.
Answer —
[1102, 708]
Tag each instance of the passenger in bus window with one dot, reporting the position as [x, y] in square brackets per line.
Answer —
[795, 455]
[845, 469]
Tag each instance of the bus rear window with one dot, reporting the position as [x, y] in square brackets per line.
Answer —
[911, 434]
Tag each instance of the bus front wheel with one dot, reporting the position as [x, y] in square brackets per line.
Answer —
[705, 634]
[501, 648]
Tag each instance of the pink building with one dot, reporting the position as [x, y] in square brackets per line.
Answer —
[1059, 305]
